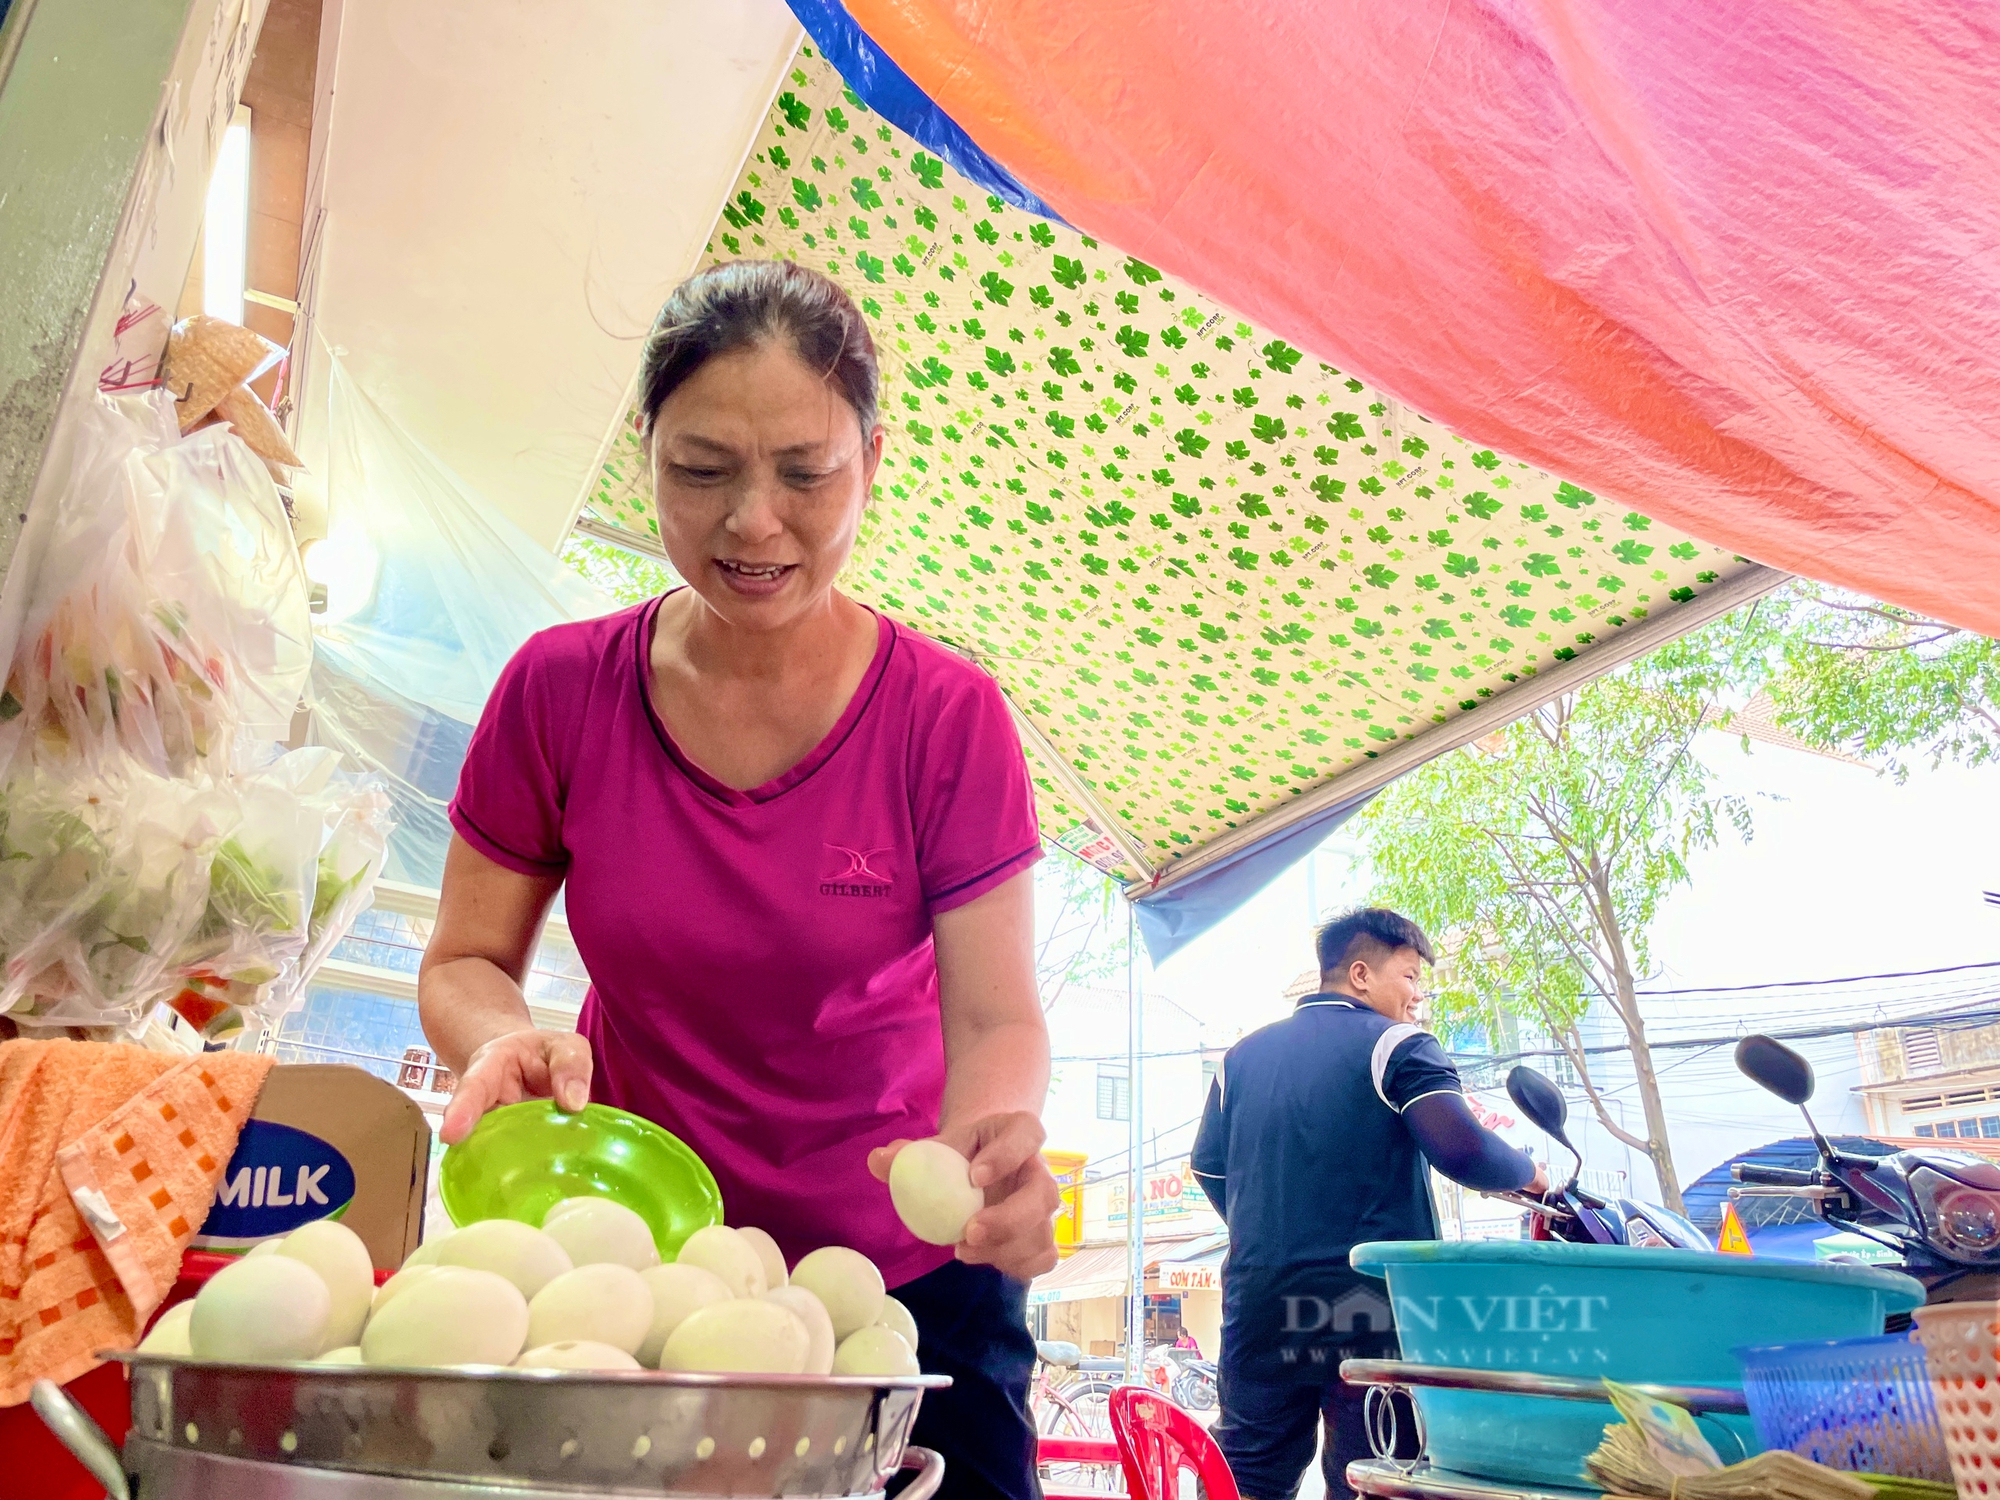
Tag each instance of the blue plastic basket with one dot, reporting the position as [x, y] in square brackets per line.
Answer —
[1863, 1405]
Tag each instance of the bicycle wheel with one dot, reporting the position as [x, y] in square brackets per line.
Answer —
[1050, 1416]
[1090, 1400]
[1080, 1409]
[1107, 1479]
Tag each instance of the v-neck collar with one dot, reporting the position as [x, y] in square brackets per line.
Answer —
[819, 755]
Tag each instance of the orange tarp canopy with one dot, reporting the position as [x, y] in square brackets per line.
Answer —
[1736, 266]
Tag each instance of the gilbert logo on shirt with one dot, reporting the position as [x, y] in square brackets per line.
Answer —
[855, 872]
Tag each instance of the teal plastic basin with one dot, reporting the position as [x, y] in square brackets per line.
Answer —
[1671, 1317]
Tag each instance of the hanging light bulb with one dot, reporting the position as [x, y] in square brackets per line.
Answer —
[346, 567]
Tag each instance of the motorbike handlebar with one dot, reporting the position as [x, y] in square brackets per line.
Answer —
[1773, 1176]
[1533, 1205]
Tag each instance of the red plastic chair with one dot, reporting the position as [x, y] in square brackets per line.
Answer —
[1069, 1452]
[1157, 1440]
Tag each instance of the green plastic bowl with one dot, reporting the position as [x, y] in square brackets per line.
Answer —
[523, 1159]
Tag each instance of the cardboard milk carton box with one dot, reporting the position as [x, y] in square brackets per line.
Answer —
[326, 1141]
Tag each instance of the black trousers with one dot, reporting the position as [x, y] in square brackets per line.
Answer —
[972, 1324]
[1268, 1428]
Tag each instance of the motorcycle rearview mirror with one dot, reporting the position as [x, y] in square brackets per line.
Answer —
[1542, 1102]
[1772, 1065]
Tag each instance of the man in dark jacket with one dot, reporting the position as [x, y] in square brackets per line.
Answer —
[1319, 1134]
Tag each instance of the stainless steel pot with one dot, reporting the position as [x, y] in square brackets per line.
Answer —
[206, 1431]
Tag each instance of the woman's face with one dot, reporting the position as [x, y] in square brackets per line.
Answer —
[760, 475]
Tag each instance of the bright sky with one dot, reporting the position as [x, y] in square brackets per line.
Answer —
[1848, 874]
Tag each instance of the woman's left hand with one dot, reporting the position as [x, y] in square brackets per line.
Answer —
[1015, 1232]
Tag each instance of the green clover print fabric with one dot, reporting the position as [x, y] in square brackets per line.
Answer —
[1210, 572]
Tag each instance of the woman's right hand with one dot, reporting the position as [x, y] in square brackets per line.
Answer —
[518, 1065]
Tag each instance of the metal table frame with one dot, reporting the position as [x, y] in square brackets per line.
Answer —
[1405, 1375]
[1390, 1479]
[1381, 1480]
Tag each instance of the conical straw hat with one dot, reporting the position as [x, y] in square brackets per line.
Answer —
[207, 358]
[252, 421]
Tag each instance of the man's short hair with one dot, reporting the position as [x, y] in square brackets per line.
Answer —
[1369, 934]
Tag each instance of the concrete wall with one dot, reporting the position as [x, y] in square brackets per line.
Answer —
[1958, 1050]
[1713, 1111]
[110, 117]
[1096, 1325]
[1087, 1028]
[279, 95]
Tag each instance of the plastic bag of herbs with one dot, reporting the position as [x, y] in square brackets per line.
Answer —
[168, 620]
[102, 877]
[284, 888]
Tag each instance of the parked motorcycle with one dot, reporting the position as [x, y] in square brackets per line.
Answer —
[1937, 1208]
[1193, 1387]
[1571, 1214]
[1178, 1374]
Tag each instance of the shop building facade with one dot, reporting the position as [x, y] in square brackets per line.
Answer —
[1931, 1083]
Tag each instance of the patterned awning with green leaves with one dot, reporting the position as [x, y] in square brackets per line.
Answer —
[1218, 579]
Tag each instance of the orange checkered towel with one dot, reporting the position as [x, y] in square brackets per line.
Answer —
[111, 1159]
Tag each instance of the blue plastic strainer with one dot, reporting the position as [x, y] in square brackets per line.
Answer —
[1863, 1405]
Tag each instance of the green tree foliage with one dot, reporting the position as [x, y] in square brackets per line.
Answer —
[1883, 683]
[1539, 856]
[1080, 935]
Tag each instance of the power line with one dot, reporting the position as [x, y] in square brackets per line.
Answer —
[1878, 1005]
[1985, 1014]
[1143, 1056]
[1875, 1003]
[1790, 984]
[1860, 1013]
[1940, 1020]
[1097, 1162]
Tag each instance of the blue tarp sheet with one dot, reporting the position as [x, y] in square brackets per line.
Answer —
[885, 88]
[1174, 917]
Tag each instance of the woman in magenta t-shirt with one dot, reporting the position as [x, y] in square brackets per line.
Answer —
[797, 839]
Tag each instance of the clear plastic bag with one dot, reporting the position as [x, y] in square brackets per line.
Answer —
[166, 635]
[254, 925]
[221, 568]
[102, 876]
[443, 589]
[169, 614]
[283, 890]
[62, 690]
[358, 825]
